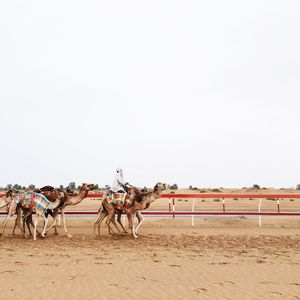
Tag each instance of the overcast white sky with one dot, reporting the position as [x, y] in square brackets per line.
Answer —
[202, 93]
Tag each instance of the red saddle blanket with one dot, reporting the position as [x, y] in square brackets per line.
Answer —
[118, 201]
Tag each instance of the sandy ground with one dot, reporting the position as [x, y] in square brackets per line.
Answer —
[219, 258]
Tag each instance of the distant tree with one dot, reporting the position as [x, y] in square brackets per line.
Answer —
[190, 187]
[17, 186]
[174, 187]
[298, 186]
[31, 186]
[96, 186]
[107, 186]
[9, 186]
[256, 186]
[72, 185]
[61, 187]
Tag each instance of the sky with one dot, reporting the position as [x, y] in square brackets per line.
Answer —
[201, 93]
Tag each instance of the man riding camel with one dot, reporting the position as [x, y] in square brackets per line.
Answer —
[119, 184]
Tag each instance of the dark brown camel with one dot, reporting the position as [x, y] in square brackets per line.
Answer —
[70, 200]
[140, 202]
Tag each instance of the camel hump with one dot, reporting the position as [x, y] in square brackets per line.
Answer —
[47, 188]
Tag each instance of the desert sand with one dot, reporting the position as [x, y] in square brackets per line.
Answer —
[218, 258]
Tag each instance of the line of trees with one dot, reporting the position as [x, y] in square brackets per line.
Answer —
[71, 185]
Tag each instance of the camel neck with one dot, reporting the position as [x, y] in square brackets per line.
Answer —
[55, 204]
[73, 200]
[152, 197]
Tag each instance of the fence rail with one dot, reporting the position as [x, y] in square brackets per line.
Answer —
[223, 212]
[211, 195]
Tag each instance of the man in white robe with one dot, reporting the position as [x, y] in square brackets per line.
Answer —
[119, 184]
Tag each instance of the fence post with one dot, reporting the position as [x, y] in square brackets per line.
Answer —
[193, 210]
[173, 208]
[169, 205]
[278, 207]
[259, 216]
[223, 204]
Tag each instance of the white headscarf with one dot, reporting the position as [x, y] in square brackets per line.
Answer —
[118, 182]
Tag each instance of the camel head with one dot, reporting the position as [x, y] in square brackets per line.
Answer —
[159, 187]
[87, 187]
[60, 195]
[51, 193]
[8, 198]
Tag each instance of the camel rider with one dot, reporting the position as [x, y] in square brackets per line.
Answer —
[119, 184]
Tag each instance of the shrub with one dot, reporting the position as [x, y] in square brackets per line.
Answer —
[256, 186]
[174, 187]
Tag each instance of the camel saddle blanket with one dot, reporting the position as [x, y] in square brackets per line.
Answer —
[118, 201]
[33, 200]
[24, 196]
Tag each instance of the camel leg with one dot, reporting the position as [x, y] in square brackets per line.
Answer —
[29, 222]
[130, 224]
[5, 222]
[104, 215]
[110, 231]
[45, 225]
[120, 222]
[140, 219]
[54, 223]
[100, 217]
[111, 214]
[15, 226]
[19, 224]
[35, 226]
[64, 222]
[28, 226]
[113, 220]
[18, 221]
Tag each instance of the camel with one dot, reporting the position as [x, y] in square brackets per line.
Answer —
[139, 201]
[28, 220]
[31, 202]
[70, 200]
[51, 194]
[7, 200]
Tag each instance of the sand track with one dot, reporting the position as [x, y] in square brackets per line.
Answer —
[170, 260]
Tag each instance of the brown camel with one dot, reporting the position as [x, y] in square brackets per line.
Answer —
[70, 200]
[31, 202]
[140, 202]
[25, 214]
[19, 212]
